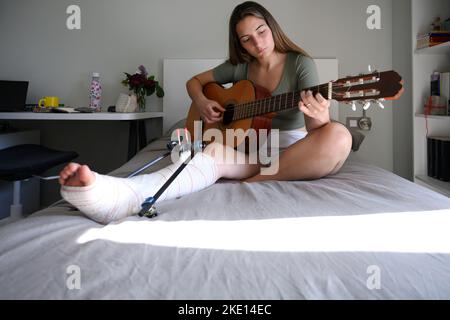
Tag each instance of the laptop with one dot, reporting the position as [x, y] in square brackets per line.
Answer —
[13, 95]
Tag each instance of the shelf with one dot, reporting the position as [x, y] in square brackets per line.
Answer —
[440, 186]
[421, 115]
[437, 49]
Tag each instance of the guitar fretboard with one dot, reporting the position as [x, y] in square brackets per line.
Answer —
[364, 87]
[281, 102]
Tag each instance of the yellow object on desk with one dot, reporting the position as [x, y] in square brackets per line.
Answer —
[49, 102]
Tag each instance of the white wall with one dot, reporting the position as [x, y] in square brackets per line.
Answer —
[402, 109]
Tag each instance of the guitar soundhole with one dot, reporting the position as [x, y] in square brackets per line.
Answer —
[228, 114]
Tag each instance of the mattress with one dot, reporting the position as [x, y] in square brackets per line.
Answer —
[363, 233]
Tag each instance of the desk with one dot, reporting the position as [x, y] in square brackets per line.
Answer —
[104, 140]
[137, 132]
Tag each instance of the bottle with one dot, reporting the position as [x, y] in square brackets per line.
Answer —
[95, 92]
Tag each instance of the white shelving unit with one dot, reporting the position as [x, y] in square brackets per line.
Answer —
[424, 63]
[443, 48]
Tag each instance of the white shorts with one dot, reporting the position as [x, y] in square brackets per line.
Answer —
[286, 139]
[289, 137]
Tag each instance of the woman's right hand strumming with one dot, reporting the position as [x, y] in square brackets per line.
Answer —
[210, 110]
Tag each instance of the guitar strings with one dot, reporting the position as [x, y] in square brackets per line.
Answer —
[247, 109]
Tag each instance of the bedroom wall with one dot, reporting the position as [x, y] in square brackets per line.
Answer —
[116, 36]
[402, 108]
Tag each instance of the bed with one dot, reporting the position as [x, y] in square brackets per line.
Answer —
[363, 233]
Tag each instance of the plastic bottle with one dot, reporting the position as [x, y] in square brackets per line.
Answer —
[95, 92]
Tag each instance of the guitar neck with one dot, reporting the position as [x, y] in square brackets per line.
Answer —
[365, 88]
[281, 102]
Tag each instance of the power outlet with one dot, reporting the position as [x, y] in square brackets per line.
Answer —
[352, 122]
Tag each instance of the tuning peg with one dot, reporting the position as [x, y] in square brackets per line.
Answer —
[353, 106]
[366, 105]
[369, 67]
[380, 104]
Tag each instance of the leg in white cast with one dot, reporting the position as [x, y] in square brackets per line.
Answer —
[109, 198]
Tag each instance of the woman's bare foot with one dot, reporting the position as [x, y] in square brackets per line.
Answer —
[76, 175]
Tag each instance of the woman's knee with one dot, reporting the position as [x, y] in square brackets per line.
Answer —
[335, 145]
[337, 140]
[342, 144]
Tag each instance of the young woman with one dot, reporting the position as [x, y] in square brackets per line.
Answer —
[312, 146]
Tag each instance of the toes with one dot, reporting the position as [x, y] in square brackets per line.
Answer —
[75, 174]
[68, 171]
[85, 174]
[72, 167]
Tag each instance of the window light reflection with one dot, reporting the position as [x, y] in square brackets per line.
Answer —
[422, 231]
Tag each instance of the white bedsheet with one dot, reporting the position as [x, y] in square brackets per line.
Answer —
[361, 234]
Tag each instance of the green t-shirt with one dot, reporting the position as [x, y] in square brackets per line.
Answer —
[299, 72]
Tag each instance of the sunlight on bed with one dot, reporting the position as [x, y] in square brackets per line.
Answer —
[419, 232]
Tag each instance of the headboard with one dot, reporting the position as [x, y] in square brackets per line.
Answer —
[177, 72]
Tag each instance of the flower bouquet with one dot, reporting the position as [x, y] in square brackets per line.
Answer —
[142, 85]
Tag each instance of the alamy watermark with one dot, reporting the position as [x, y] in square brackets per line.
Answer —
[73, 280]
[73, 21]
[257, 147]
[374, 20]
[373, 282]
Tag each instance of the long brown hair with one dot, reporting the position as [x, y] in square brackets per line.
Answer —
[237, 53]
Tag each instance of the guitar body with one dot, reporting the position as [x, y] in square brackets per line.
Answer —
[242, 92]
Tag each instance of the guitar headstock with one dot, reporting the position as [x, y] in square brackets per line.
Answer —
[368, 88]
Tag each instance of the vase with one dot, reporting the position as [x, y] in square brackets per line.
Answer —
[141, 99]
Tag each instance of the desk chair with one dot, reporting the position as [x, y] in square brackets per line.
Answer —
[24, 161]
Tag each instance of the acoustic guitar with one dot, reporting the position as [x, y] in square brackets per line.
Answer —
[252, 107]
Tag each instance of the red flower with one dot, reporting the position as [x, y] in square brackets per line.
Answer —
[149, 84]
[137, 80]
[142, 84]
